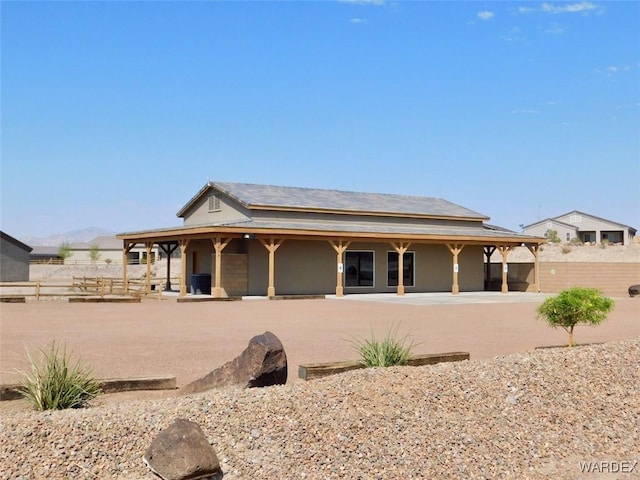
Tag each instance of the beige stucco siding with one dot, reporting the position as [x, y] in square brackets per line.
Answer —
[301, 267]
[199, 213]
[561, 229]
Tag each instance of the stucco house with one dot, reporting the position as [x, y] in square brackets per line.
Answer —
[584, 227]
[14, 259]
[109, 249]
[271, 240]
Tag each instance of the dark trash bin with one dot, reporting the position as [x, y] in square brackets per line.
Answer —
[201, 283]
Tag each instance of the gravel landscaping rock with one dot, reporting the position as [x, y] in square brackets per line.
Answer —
[527, 416]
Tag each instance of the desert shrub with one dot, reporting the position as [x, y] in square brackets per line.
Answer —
[388, 352]
[566, 249]
[604, 243]
[576, 241]
[53, 384]
[573, 307]
[552, 236]
[64, 251]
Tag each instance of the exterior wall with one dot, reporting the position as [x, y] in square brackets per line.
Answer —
[199, 213]
[301, 267]
[564, 231]
[304, 267]
[14, 263]
[576, 224]
[601, 228]
[611, 278]
[83, 256]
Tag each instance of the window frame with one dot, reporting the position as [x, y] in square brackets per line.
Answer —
[346, 267]
[413, 269]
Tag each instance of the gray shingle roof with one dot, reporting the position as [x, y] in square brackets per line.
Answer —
[253, 195]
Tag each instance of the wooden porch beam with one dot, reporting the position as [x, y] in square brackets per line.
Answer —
[455, 250]
[504, 251]
[272, 245]
[340, 246]
[147, 283]
[400, 248]
[184, 243]
[218, 244]
[535, 250]
[126, 248]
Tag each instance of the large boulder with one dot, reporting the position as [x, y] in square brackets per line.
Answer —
[263, 363]
[182, 452]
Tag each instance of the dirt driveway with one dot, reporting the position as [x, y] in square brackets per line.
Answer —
[187, 340]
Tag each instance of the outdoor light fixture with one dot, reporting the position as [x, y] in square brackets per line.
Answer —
[249, 236]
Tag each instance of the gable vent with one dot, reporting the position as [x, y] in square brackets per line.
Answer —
[214, 203]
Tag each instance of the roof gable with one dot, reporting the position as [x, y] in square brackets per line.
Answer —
[269, 197]
[600, 219]
[8, 238]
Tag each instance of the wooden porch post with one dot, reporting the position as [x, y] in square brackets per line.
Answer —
[340, 248]
[184, 243]
[168, 249]
[400, 248]
[455, 250]
[504, 251]
[271, 247]
[125, 259]
[147, 287]
[534, 249]
[488, 251]
[218, 245]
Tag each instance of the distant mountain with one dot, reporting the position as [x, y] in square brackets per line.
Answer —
[75, 236]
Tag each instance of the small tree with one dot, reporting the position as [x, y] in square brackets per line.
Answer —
[64, 251]
[94, 252]
[552, 236]
[575, 306]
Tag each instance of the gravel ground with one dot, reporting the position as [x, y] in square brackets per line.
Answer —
[533, 415]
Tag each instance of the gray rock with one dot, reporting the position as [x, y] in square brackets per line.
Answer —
[263, 363]
[182, 452]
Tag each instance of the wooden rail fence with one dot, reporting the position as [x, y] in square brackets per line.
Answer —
[83, 286]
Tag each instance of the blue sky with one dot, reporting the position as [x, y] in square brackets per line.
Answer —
[114, 114]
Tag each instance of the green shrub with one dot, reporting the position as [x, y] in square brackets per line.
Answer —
[552, 236]
[53, 384]
[388, 352]
[573, 307]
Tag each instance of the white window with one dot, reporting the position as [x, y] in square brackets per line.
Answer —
[575, 218]
[214, 203]
[568, 237]
[549, 224]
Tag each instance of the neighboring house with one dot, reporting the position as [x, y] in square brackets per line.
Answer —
[267, 240]
[584, 227]
[44, 255]
[14, 259]
[109, 250]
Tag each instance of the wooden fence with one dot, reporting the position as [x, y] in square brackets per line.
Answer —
[84, 286]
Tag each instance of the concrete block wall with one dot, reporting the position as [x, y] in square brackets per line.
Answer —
[235, 274]
[612, 279]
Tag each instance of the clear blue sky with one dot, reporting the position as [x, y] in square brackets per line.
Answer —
[114, 114]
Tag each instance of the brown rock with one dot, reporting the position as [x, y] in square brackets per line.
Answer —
[263, 363]
[182, 452]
